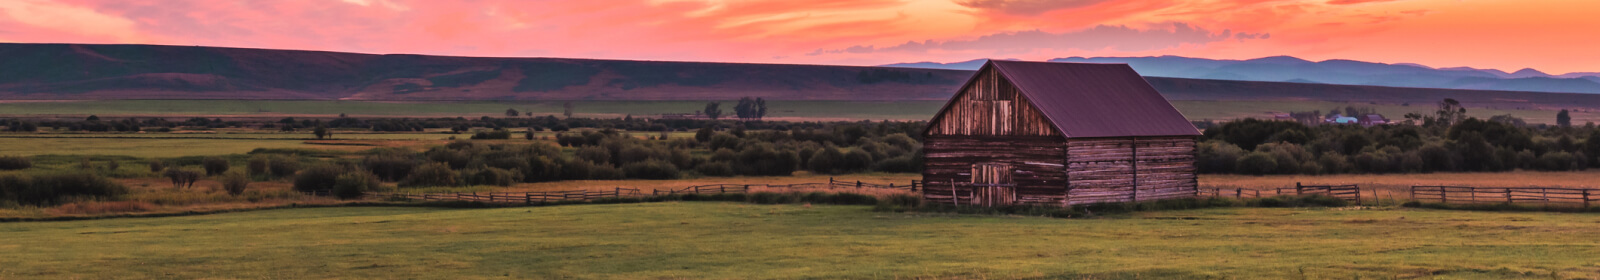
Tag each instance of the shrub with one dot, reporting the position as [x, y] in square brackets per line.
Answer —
[430, 175]
[257, 165]
[455, 158]
[157, 166]
[235, 182]
[901, 164]
[182, 178]
[542, 169]
[491, 176]
[715, 168]
[281, 167]
[499, 134]
[112, 165]
[320, 177]
[57, 188]
[214, 165]
[1257, 163]
[856, 160]
[354, 184]
[389, 167]
[764, 160]
[826, 161]
[651, 169]
[724, 141]
[594, 154]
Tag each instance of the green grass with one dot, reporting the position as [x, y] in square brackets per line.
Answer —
[741, 241]
[143, 148]
[896, 110]
[776, 109]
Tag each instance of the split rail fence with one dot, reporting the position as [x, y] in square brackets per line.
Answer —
[620, 192]
[1521, 195]
[1347, 192]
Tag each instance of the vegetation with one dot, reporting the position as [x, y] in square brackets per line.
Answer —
[1445, 142]
[56, 188]
[791, 240]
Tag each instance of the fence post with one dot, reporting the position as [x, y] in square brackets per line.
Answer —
[1508, 197]
[1298, 189]
[527, 198]
[1238, 193]
[858, 184]
[1585, 199]
[617, 193]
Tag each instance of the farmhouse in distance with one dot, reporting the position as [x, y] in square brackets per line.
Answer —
[1058, 134]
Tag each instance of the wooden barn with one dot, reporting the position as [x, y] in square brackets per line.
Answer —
[1058, 134]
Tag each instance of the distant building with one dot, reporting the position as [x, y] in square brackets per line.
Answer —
[1372, 119]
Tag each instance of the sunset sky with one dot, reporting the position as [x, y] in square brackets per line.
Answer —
[1555, 36]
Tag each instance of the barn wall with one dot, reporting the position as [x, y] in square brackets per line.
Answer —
[1036, 161]
[975, 107]
[1103, 169]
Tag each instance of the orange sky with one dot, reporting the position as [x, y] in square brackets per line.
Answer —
[1555, 36]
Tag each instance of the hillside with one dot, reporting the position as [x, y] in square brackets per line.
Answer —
[97, 72]
[1337, 71]
[65, 71]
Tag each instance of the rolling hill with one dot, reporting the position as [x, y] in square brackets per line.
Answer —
[98, 72]
[1337, 71]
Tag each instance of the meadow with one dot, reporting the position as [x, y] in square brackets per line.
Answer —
[723, 240]
[779, 110]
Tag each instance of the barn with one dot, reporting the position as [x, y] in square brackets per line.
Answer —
[1058, 134]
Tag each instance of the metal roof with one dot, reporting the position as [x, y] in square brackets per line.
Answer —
[1086, 100]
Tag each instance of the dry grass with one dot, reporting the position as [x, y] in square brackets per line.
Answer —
[647, 185]
[1398, 185]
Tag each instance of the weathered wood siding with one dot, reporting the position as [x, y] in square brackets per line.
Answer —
[991, 106]
[1036, 163]
[1106, 170]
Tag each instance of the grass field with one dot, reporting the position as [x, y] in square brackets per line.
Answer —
[743, 241]
[900, 110]
[782, 110]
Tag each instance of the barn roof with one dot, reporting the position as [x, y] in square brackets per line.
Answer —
[1086, 100]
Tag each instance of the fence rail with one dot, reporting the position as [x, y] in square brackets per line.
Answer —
[1347, 192]
[618, 192]
[1538, 195]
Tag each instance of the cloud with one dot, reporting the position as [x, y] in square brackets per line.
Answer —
[1120, 38]
[1352, 2]
[1027, 7]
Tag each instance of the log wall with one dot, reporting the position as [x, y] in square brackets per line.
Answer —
[991, 106]
[1036, 164]
[1106, 170]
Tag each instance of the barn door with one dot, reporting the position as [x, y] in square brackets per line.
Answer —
[992, 185]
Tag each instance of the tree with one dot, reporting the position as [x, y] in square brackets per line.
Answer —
[512, 113]
[761, 108]
[93, 118]
[1450, 112]
[1563, 119]
[712, 111]
[568, 107]
[321, 132]
[746, 108]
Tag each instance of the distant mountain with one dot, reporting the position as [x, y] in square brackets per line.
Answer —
[1337, 71]
[90, 72]
[964, 65]
[75, 71]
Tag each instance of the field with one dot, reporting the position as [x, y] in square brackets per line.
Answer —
[831, 110]
[780, 110]
[744, 241]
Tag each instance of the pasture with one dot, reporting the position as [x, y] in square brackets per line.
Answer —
[779, 110]
[745, 241]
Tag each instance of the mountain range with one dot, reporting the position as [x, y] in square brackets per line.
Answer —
[99, 72]
[1338, 71]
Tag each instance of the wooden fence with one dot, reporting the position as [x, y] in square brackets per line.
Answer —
[1536, 195]
[585, 195]
[1347, 192]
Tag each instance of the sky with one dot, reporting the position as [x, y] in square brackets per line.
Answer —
[1555, 36]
